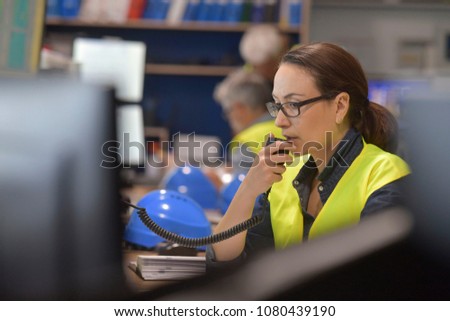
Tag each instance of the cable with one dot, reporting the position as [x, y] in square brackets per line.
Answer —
[199, 241]
[214, 238]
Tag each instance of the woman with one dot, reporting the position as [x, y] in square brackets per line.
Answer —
[342, 169]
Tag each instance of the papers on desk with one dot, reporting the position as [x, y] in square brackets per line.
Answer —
[169, 267]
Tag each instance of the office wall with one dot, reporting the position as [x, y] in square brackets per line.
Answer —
[387, 38]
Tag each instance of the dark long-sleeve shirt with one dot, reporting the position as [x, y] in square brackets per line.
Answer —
[261, 236]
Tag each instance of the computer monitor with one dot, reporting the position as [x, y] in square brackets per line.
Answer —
[389, 91]
[119, 63]
[427, 113]
[21, 25]
[60, 227]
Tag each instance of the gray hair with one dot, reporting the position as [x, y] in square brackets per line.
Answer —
[248, 88]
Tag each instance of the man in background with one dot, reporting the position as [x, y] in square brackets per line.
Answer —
[242, 96]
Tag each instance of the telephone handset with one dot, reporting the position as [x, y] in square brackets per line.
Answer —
[214, 238]
[270, 140]
[273, 139]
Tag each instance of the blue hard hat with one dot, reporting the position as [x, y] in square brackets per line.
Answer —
[171, 210]
[227, 192]
[191, 181]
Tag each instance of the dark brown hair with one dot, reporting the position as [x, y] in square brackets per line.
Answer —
[335, 70]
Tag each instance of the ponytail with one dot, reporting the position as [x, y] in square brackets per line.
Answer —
[379, 127]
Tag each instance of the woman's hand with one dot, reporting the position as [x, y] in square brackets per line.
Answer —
[268, 166]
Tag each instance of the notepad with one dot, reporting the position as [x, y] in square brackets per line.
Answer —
[170, 267]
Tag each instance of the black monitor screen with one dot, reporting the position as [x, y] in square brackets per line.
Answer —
[60, 228]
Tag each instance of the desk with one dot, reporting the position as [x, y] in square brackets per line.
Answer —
[134, 281]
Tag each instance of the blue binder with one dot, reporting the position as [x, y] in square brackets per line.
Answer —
[70, 8]
[53, 8]
[192, 9]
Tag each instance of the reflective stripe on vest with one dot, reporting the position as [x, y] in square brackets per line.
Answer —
[371, 170]
[255, 135]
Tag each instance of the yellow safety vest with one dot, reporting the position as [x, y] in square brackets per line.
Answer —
[370, 170]
[255, 135]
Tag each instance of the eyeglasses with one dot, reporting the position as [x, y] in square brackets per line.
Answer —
[292, 109]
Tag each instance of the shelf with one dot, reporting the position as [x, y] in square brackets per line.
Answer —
[188, 70]
[161, 25]
[185, 61]
[386, 5]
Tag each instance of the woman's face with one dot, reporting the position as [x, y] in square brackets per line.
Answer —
[307, 131]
